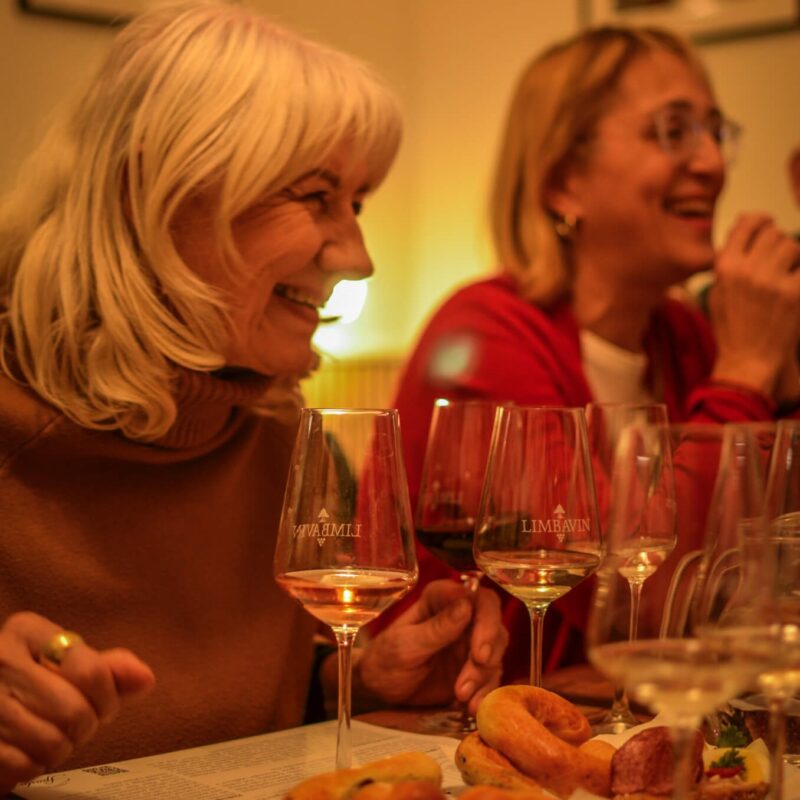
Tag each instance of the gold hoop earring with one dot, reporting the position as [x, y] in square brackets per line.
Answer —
[566, 226]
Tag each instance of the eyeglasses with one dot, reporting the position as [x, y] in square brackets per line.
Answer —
[679, 131]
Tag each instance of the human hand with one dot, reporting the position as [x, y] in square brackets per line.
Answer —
[755, 307]
[46, 711]
[431, 653]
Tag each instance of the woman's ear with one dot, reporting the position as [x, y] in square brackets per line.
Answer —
[561, 194]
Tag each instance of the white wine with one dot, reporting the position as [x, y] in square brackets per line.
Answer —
[641, 558]
[537, 577]
[346, 598]
[683, 678]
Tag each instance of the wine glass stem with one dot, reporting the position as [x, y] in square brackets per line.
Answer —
[777, 740]
[471, 581]
[636, 601]
[537, 626]
[682, 740]
[344, 753]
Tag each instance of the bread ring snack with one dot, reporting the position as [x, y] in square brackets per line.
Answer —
[496, 793]
[344, 784]
[480, 764]
[539, 732]
[407, 790]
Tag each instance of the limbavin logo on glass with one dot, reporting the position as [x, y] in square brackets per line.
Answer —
[559, 523]
[326, 528]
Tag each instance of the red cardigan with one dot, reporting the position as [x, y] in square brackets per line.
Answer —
[487, 342]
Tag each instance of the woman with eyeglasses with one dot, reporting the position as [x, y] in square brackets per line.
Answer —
[611, 164]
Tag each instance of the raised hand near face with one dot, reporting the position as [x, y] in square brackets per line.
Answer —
[755, 308]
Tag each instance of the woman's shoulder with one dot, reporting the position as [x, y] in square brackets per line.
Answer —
[24, 416]
[497, 302]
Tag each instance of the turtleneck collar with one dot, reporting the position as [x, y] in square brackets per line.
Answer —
[207, 404]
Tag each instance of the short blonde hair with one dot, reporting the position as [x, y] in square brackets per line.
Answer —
[98, 308]
[558, 101]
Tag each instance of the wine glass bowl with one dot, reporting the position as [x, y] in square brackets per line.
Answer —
[538, 532]
[452, 480]
[345, 548]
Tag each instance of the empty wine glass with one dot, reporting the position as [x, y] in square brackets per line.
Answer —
[449, 498]
[646, 520]
[345, 548]
[688, 674]
[538, 531]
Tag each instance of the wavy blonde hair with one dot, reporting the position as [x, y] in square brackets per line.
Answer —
[559, 99]
[97, 309]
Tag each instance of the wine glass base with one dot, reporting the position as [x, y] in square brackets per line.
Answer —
[610, 723]
[447, 723]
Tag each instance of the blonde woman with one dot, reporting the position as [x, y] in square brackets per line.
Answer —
[613, 157]
[162, 263]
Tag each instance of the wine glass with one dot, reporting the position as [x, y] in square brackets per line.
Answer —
[688, 674]
[647, 514]
[538, 530]
[781, 684]
[345, 548]
[449, 497]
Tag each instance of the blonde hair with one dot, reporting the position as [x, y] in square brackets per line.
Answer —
[97, 306]
[558, 101]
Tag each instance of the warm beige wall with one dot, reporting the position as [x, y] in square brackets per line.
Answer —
[453, 63]
[758, 84]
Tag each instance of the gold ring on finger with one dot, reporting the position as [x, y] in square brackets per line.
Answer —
[59, 645]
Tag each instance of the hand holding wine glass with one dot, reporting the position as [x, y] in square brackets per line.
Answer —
[538, 532]
[345, 548]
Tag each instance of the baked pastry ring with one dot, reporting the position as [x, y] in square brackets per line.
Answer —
[481, 765]
[344, 784]
[539, 732]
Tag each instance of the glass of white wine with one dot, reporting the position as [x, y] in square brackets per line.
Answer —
[686, 675]
[538, 531]
[345, 548]
[645, 511]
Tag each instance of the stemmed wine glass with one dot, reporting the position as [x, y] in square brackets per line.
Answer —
[782, 512]
[538, 530]
[645, 512]
[345, 548]
[686, 675]
[449, 497]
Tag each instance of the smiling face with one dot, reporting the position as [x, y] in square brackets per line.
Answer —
[295, 246]
[646, 214]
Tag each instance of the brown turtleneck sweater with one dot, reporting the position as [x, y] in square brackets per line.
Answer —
[165, 549]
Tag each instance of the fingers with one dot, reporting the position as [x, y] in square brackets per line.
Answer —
[446, 624]
[482, 672]
[132, 677]
[745, 229]
[46, 710]
[489, 637]
[755, 306]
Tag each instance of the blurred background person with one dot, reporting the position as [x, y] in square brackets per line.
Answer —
[162, 262]
[613, 157]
